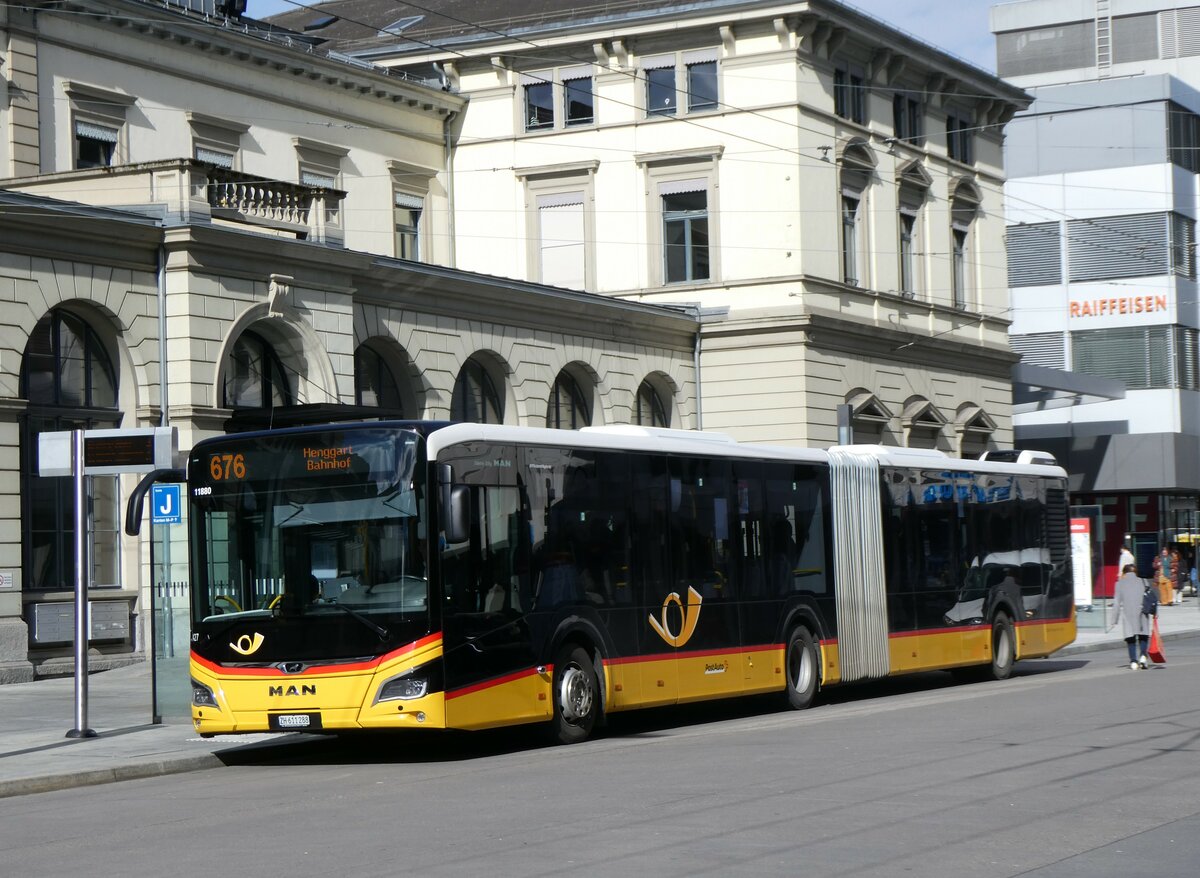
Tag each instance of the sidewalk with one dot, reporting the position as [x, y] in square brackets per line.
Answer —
[36, 756]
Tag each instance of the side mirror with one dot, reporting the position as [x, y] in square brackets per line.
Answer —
[456, 507]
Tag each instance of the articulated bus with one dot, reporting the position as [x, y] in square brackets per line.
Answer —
[387, 575]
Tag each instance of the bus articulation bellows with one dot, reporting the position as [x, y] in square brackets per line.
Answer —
[429, 575]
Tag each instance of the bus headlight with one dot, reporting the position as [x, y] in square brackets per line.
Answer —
[406, 687]
[202, 696]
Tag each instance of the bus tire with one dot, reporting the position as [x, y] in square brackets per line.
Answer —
[576, 694]
[1004, 647]
[801, 669]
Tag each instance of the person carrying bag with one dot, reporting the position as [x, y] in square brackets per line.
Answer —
[1135, 603]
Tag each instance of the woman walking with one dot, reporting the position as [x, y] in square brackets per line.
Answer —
[1131, 600]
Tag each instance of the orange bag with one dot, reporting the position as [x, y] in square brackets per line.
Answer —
[1156, 651]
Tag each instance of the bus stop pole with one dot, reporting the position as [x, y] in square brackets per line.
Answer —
[81, 729]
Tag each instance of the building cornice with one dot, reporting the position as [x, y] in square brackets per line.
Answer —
[207, 36]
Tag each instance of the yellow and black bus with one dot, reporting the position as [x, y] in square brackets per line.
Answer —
[420, 574]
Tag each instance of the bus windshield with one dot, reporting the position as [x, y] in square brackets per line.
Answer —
[317, 537]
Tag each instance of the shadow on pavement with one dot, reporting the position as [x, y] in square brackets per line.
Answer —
[407, 746]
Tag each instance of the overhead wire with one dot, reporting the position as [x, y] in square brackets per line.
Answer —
[771, 147]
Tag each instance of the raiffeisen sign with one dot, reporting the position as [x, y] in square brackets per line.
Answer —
[1116, 306]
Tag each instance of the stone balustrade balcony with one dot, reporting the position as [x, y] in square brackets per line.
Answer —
[187, 191]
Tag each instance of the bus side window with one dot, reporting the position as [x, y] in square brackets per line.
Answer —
[481, 575]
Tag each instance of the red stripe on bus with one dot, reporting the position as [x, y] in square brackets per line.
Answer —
[498, 681]
[319, 669]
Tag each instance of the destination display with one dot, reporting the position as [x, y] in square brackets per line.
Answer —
[109, 452]
[362, 456]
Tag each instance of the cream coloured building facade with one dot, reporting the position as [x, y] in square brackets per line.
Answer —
[827, 189]
[149, 279]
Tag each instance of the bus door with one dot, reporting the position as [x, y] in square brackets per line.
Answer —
[489, 655]
[579, 521]
[654, 676]
[794, 568]
[701, 622]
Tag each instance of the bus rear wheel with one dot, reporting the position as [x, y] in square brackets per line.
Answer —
[576, 694]
[1004, 647]
[800, 664]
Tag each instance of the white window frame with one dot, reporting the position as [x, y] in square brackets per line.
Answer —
[855, 96]
[319, 164]
[99, 109]
[960, 129]
[410, 204]
[556, 78]
[680, 64]
[962, 244]
[855, 162]
[663, 173]
[912, 196]
[547, 186]
[410, 182]
[216, 136]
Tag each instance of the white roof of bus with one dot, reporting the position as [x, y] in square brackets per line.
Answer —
[628, 437]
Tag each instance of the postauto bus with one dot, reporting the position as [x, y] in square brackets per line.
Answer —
[389, 575]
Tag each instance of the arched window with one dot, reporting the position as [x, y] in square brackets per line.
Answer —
[650, 411]
[964, 207]
[255, 377]
[69, 381]
[66, 365]
[914, 191]
[856, 173]
[374, 383]
[475, 397]
[569, 408]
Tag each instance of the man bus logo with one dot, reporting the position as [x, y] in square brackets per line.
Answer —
[246, 645]
[272, 691]
[691, 615]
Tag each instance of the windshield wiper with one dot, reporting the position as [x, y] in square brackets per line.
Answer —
[378, 629]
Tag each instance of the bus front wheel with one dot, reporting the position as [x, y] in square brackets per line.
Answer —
[1004, 647]
[801, 667]
[576, 695]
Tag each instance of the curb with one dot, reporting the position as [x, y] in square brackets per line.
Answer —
[1075, 649]
[24, 786]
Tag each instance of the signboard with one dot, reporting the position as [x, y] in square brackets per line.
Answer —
[1081, 560]
[109, 452]
[165, 505]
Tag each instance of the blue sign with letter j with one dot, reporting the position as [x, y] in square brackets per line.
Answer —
[164, 505]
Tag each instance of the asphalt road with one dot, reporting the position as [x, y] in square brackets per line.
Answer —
[1075, 767]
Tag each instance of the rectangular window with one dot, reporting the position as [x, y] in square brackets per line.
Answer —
[1046, 349]
[908, 119]
[577, 94]
[1183, 246]
[1111, 247]
[960, 140]
[685, 236]
[1044, 49]
[95, 144]
[702, 86]
[850, 239]
[1184, 128]
[908, 224]
[1135, 38]
[539, 105]
[1034, 255]
[407, 214]
[218, 157]
[959, 268]
[849, 94]
[561, 240]
[1144, 357]
[319, 177]
[660, 91]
